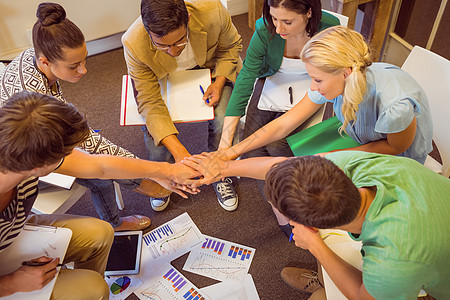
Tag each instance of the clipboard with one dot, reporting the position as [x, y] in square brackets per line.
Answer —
[32, 242]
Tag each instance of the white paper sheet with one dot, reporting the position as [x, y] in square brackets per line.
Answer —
[232, 290]
[120, 287]
[220, 259]
[168, 283]
[171, 240]
[34, 242]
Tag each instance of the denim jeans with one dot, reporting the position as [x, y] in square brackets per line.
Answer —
[160, 153]
[104, 196]
[256, 119]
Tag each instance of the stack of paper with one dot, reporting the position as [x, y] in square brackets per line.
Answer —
[209, 256]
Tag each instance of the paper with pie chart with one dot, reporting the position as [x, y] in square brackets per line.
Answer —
[168, 283]
[171, 240]
[120, 287]
[219, 259]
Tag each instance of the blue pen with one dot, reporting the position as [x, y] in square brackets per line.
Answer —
[290, 238]
[203, 92]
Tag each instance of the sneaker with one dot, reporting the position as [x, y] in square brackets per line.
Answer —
[226, 195]
[159, 204]
[301, 279]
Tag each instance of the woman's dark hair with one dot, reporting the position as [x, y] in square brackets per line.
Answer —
[298, 6]
[161, 17]
[312, 191]
[38, 130]
[53, 31]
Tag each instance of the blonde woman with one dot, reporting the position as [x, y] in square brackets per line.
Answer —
[381, 106]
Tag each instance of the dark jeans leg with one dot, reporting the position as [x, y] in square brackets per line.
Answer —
[156, 153]
[104, 199]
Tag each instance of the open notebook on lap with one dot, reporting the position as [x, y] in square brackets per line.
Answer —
[181, 93]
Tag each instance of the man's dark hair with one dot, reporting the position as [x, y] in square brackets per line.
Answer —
[161, 17]
[298, 6]
[312, 191]
[38, 130]
[53, 31]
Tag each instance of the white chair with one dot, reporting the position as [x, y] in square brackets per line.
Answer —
[57, 200]
[432, 72]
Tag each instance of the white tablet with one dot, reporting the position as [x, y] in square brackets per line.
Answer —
[125, 255]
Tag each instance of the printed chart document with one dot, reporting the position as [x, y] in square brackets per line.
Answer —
[120, 287]
[275, 95]
[181, 93]
[166, 284]
[233, 290]
[219, 259]
[33, 242]
[171, 240]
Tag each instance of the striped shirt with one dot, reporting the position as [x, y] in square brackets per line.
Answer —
[393, 98]
[405, 239]
[13, 217]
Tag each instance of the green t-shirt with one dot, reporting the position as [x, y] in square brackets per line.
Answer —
[405, 235]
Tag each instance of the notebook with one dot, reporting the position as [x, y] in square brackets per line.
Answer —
[322, 137]
[32, 242]
[275, 94]
[181, 93]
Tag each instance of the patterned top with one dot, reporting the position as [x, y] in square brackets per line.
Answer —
[13, 217]
[22, 74]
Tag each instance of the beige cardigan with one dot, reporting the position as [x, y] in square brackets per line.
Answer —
[216, 45]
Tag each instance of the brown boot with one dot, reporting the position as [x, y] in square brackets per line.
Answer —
[134, 222]
[301, 279]
[152, 189]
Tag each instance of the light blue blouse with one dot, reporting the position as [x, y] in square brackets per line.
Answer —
[391, 101]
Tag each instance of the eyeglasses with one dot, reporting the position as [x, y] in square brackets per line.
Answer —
[167, 47]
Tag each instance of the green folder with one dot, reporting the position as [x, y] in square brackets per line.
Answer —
[322, 137]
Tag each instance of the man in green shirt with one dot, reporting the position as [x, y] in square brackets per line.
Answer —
[396, 207]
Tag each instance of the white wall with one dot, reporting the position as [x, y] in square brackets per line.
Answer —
[237, 7]
[96, 19]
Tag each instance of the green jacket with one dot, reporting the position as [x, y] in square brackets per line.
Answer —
[263, 58]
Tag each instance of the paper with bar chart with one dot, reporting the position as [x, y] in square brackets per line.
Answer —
[171, 240]
[166, 284]
[219, 259]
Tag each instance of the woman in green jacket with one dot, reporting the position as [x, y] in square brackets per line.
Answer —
[276, 45]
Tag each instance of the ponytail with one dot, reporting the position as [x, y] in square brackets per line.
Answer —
[334, 50]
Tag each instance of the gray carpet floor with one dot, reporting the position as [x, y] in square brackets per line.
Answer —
[252, 224]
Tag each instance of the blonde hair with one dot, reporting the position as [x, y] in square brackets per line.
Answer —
[335, 49]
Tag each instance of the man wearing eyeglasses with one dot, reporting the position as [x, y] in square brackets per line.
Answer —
[175, 35]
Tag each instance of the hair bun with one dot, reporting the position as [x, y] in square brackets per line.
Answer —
[50, 13]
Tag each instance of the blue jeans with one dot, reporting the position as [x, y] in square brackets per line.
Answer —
[104, 196]
[160, 153]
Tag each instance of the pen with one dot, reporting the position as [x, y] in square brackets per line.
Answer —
[203, 92]
[291, 96]
[291, 236]
[33, 263]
